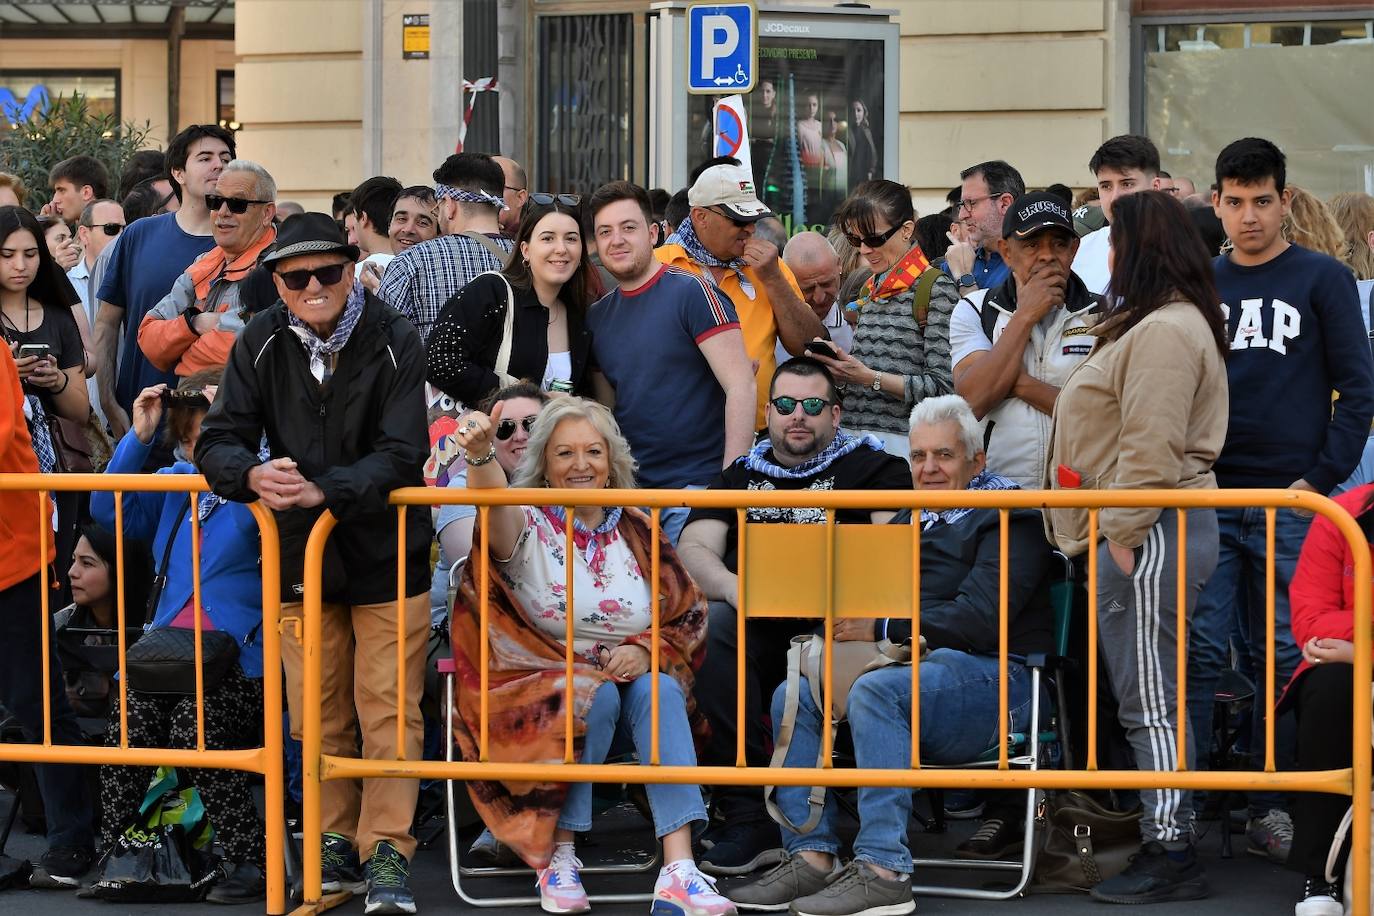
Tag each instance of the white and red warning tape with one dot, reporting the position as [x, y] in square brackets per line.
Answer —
[485, 84]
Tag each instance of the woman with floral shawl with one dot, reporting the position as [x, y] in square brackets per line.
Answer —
[576, 444]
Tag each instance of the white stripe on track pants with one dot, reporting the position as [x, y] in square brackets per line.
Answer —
[1137, 633]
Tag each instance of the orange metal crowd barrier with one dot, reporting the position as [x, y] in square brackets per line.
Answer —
[265, 760]
[859, 568]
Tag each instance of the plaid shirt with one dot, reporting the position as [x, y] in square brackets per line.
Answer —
[419, 280]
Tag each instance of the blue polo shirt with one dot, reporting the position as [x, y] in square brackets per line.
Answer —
[989, 270]
[147, 259]
[647, 342]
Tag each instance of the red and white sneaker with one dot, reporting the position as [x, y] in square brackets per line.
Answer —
[682, 890]
[560, 885]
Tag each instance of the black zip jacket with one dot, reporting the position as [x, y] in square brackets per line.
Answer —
[358, 437]
[959, 584]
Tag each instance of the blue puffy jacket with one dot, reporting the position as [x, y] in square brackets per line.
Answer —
[230, 556]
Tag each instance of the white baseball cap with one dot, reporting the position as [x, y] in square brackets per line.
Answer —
[730, 187]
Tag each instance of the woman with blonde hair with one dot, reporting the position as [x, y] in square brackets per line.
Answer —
[1308, 223]
[1354, 213]
[576, 444]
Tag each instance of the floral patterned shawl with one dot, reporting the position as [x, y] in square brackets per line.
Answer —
[526, 686]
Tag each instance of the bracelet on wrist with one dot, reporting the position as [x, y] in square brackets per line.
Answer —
[66, 380]
[478, 462]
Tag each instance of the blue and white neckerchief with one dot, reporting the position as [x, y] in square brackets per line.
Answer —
[687, 238]
[319, 349]
[449, 192]
[758, 459]
[986, 480]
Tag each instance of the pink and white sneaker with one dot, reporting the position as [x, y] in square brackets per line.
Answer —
[682, 890]
[560, 885]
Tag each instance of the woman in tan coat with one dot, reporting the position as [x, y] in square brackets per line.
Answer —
[1147, 410]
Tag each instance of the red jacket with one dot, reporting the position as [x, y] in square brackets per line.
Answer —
[1322, 593]
[19, 518]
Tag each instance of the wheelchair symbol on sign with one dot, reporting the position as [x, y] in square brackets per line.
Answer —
[739, 79]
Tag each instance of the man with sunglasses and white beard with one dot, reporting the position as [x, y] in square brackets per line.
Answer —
[322, 408]
[193, 326]
[805, 450]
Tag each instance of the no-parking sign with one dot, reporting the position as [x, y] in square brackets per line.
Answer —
[729, 131]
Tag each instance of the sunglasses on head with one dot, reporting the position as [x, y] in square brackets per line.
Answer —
[110, 229]
[812, 406]
[506, 428]
[298, 280]
[237, 205]
[873, 241]
[567, 200]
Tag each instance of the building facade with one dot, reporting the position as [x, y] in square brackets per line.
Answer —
[324, 92]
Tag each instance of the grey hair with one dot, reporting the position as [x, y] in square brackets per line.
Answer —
[265, 186]
[950, 407]
[532, 468]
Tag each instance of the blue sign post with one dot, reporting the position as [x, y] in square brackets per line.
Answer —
[722, 48]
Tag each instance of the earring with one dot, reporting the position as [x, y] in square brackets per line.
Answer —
[527, 263]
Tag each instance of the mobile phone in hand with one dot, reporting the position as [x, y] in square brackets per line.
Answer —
[40, 350]
[823, 348]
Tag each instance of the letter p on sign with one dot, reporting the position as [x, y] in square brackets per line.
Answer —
[720, 37]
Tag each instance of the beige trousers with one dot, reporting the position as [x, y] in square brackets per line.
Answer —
[358, 673]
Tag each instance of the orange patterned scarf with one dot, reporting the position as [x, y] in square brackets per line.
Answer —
[897, 280]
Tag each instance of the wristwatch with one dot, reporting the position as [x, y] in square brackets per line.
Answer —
[967, 280]
[877, 381]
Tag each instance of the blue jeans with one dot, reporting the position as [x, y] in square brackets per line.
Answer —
[958, 723]
[623, 711]
[1233, 599]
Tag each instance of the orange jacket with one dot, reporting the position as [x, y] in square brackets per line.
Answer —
[211, 284]
[19, 515]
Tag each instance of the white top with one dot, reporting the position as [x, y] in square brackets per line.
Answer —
[612, 597]
[559, 366]
[380, 258]
[1091, 261]
[841, 333]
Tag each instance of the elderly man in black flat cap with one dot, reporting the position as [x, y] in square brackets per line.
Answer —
[322, 407]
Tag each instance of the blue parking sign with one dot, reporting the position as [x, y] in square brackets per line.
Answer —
[722, 48]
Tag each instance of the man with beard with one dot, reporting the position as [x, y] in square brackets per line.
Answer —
[804, 451]
[660, 323]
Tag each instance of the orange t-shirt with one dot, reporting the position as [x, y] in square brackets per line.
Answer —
[19, 516]
[755, 313]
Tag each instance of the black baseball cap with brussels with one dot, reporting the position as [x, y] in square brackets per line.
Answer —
[309, 233]
[1031, 214]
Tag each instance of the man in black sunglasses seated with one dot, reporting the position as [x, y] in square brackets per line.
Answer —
[194, 325]
[960, 585]
[805, 450]
[333, 379]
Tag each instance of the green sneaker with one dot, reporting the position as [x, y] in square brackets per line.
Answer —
[388, 882]
[339, 870]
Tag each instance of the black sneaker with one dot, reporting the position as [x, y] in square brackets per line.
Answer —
[1320, 898]
[243, 883]
[388, 882]
[61, 868]
[994, 839]
[340, 870]
[1153, 877]
[743, 847]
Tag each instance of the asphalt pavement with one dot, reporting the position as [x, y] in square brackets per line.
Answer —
[1240, 885]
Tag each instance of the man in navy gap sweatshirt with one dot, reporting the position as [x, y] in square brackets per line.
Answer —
[1296, 337]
